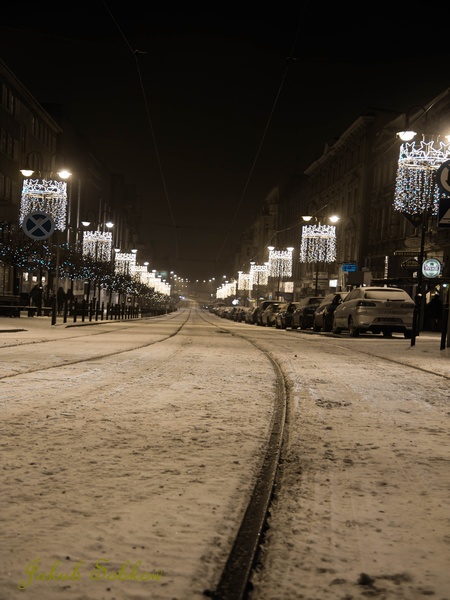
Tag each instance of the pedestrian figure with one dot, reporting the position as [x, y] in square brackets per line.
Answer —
[69, 298]
[434, 310]
[60, 299]
[36, 295]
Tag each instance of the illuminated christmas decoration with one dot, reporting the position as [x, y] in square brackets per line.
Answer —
[226, 290]
[259, 274]
[44, 195]
[280, 262]
[125, 262]
[140, 272]
[97, 245]
[244, 281]
[318, 243]
[415, 187]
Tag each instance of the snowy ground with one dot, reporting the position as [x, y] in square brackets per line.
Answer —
[140, 457]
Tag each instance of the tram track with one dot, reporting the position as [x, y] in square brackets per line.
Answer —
[233, 581]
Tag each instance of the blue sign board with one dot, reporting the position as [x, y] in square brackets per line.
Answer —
[349, 267]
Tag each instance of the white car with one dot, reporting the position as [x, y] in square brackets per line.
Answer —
[377, 309]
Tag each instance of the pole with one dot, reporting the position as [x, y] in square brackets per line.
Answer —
[418, 300]
[444, 331]
[316, 287]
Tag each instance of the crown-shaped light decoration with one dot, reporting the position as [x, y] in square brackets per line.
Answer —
[125, 262]
[244, 281]
[280, 262]
[97, 244]
[226, 290]
[259, 274]
[44, 195]
[415, 186]
[318, 243]
[140, 272]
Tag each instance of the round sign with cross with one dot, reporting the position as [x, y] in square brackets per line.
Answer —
[443, 177]
[38, 225]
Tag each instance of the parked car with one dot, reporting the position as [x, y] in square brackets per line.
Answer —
[303, 315]
[284, 315]
[269, 314]
[323, 315]
[376, 309]
[240, 314]
[252, 315]
[260, 309]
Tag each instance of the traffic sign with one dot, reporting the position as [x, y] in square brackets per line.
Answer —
[443, 177]
[38, 225]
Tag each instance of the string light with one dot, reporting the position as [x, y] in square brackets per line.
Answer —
[318, 243]
[44, 195]
[97, 244]
[280, 262]
[415, 186]
[125, 262]
[244, 281]
[259, 274]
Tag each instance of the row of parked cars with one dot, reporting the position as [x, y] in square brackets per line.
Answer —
[380, 310]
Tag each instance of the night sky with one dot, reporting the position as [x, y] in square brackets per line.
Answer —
[205, 110]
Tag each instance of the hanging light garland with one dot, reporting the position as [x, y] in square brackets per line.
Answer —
[280, 262]
[97, 244]
[44, 195]
[244, 281]
[318, 243]
[259, 275]
[125, 262]
[415, 186]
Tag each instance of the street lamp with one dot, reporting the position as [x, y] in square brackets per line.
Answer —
[417, 196]
[318, 243]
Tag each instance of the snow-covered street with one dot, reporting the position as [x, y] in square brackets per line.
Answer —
[145, 460]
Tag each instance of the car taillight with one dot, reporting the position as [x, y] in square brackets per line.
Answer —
[365, 303]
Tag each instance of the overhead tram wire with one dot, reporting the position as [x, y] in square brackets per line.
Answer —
[135, 54]
[288, 61]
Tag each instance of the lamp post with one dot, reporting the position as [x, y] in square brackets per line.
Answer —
[45, 194]
[318, 243]
[417, 197]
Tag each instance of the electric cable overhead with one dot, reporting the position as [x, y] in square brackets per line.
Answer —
[289, 59]
[135, 52]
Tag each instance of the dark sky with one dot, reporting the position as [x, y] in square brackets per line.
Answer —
[202, 109]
